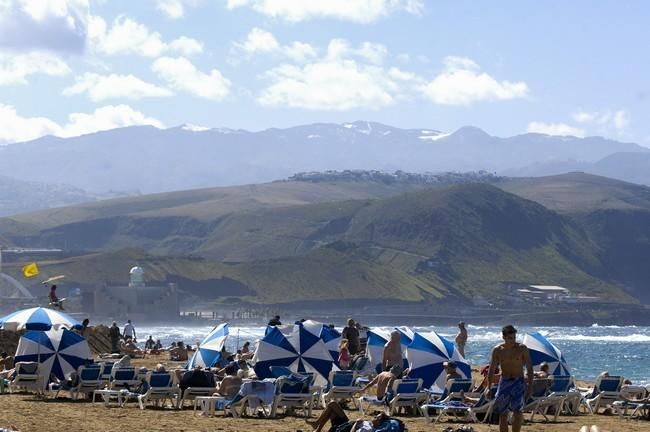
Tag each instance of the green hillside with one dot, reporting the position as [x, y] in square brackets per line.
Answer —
[448, 243]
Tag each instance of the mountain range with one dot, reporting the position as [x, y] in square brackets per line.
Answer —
[331, 239]
[144, 159]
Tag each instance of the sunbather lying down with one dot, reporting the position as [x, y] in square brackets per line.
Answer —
[334, 414]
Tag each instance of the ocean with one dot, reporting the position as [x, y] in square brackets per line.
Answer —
[621, 350]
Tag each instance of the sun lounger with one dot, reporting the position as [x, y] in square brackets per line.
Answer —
[192, 392]
[124, 378]
[89, 380]
[563, 386]
[252, 395]
[406, 394]
[291, 393]
[161, 387]
[26, 378]
[341, 386]
[454, 407]
[607, 390]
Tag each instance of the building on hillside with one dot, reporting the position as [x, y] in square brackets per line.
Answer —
[137, 300]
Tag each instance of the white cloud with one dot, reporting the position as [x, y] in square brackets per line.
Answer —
[106, 118]
[621, 120]
[182, 75]
[102, 87]
[336, 82]
[15, 68]
[57, 25]
[561, 129]
[175, 9]
[362, 11]
[604, 121]
[462, 83]
[15, 128]
[186, 46]
[259, 41]
[127, 36]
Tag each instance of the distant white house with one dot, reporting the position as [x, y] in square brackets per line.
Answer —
[552, 293]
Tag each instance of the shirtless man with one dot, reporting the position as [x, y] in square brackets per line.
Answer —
[461, 338]
[392, 352]
[384, 381]
[513, 391]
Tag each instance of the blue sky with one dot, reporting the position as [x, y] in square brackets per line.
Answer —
[69, 67]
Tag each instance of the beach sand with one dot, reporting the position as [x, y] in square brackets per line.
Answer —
[27, 414]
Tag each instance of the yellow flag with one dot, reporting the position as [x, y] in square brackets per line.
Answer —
[30, 270]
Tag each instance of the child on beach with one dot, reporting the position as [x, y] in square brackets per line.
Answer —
[344, 355]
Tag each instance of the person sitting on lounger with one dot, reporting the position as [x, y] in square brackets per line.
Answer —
[384, 381]
[245, 371]
[231, 383]
[543, 371]
[6, 365]
[450, 369]
[334, 414]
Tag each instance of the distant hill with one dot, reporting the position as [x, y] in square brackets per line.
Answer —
[302, 240]
[17, 196]
[150, 160]
[628, 166]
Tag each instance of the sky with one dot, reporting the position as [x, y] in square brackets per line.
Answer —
[70, 67]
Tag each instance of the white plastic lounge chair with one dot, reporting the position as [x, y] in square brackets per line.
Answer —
[457, 407]
[563, 386]
[290, 394]
[89, 380]
[161, 388]
[341, 386]
[452, 390]
[252, 395]
[192, 393]
[27, 378]
[406, 394]
[607, 389]
[124, 378]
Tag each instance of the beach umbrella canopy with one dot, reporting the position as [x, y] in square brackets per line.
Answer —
[376, 339]
[541, 350]
[209, 352]
[426, 355]
[38, 318]
[59, 352]
[294, 347]
[330, 336]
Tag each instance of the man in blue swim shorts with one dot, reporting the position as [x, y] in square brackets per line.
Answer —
[513, 390]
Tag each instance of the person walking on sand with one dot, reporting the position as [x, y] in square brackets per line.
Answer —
[461, 338]
[129, 331]
[511, 357]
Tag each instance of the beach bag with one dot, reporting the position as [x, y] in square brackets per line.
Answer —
[391, 425]
[344, 427]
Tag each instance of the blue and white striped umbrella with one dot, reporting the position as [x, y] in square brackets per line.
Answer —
[59, 352]
[38, 318]
[295, 347]
[541, 350]
[330, 336]
[426, 355]
[209, 352]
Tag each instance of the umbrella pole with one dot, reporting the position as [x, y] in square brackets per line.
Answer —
[237, 347]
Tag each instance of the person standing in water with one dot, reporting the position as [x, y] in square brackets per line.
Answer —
[513, 391]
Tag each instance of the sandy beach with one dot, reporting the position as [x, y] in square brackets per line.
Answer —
[26, 414]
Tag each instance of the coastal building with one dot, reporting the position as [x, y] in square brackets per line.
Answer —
[137, 300]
